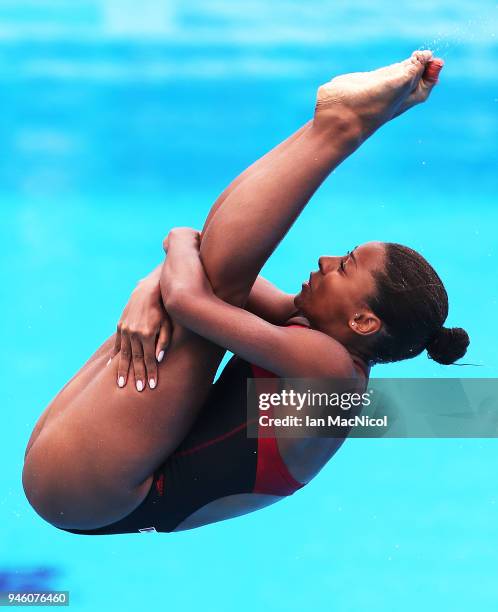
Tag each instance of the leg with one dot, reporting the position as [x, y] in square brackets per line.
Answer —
[52, 490]
[72, 388]
[253, 169]
[257, 213]
[119, 436]
[87, 372]
[92, 463]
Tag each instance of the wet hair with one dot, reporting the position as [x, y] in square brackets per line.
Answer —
[412, 303]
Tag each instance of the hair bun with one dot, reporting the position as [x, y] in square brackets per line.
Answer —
[448, 345]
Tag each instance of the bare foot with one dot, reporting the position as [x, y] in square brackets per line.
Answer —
[370, 99]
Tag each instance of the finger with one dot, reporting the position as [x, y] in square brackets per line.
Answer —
[124, 359]
[137, 354]
[163, 340]
[117, 343]
[149, 346]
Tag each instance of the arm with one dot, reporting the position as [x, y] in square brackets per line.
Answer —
[286, 351]
[270, 303]
[265, 300]
[144, 329]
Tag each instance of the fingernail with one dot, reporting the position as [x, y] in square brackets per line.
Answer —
[121, 381]
[152, 383]
[110, 359]
[160, 356]
[140, 385]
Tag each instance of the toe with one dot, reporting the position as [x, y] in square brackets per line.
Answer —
[418, 63]
[418, 60]
[432, 70]
[423, 56]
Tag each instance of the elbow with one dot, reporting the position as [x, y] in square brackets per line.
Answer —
[231, 293]
[176, 298]
[172, 297]
[171, 291]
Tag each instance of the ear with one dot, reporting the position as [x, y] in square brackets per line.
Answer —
[365, 323]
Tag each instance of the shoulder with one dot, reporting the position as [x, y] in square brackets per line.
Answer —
[319, 354]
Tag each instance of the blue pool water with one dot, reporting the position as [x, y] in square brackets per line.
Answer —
[120, 122]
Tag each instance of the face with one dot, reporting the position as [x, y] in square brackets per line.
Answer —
[333, 299]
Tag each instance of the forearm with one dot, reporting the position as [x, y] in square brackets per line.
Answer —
[269, 302]
[285, 351]
[265, 299]
[151, 281]
[227, 326]
[182, 271]
[191, 303]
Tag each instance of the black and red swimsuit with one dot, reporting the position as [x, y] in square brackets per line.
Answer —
[217, 459]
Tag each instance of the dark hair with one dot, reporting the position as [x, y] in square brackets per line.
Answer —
[412, 303]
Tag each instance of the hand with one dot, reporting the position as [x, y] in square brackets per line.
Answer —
[183, 272]
[184, 234]
[142, 336]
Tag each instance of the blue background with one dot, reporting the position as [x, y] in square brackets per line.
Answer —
[122, 119]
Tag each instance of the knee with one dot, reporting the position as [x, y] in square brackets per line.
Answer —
[45, 482]
[230, 283]
[236, 296]
[68, 496]
[35, 488]
[234, 291]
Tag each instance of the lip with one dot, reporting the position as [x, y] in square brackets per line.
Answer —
[309, 283]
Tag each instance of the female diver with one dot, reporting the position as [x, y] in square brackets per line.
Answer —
[104, 458]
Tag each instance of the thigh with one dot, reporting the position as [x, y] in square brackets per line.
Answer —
[92, 463]
[119, 426]
[72, 388]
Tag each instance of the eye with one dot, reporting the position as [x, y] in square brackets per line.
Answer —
[341, 267]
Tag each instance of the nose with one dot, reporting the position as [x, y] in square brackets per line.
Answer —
[327, 263]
